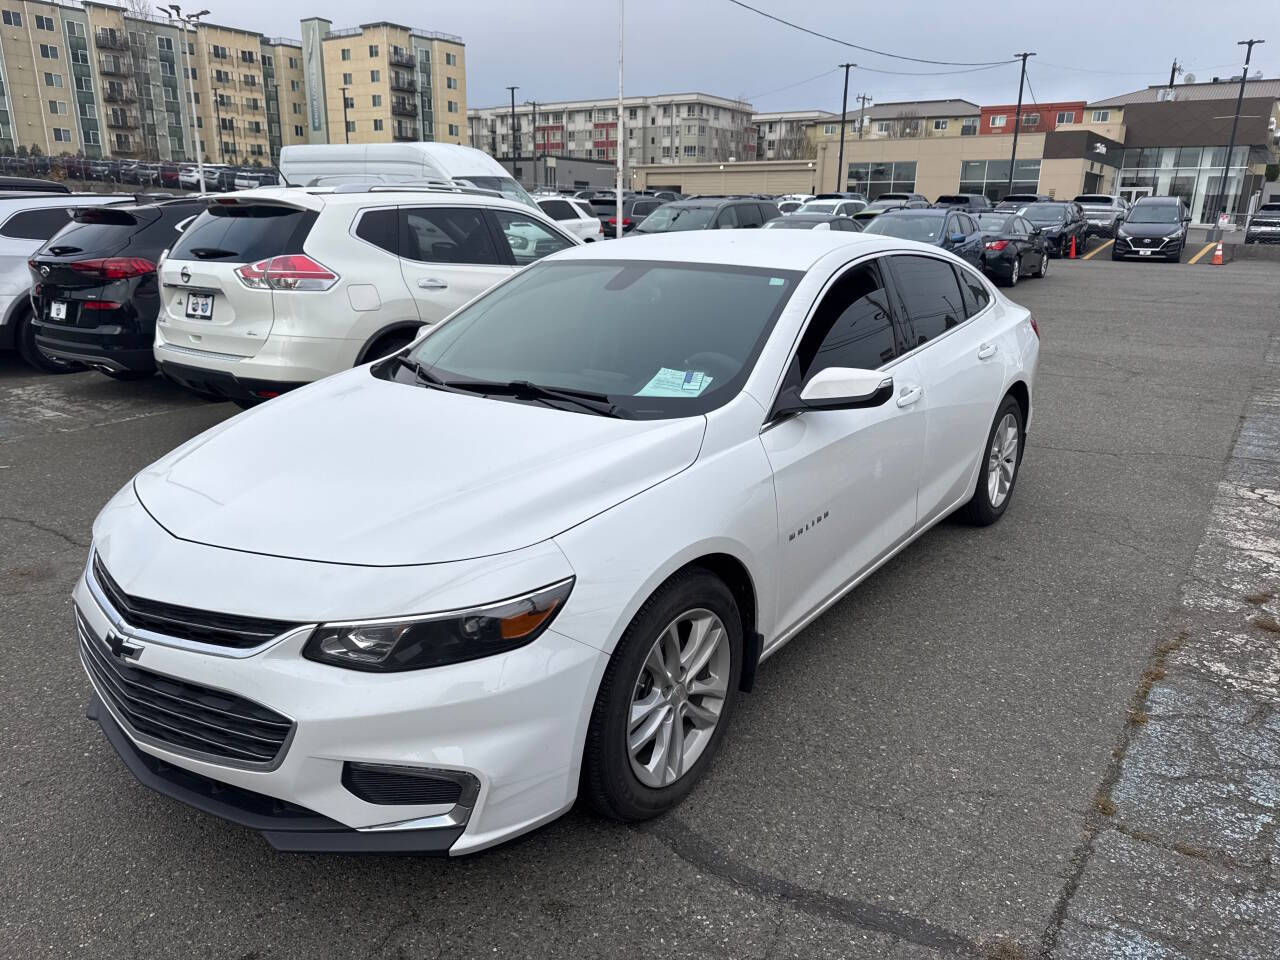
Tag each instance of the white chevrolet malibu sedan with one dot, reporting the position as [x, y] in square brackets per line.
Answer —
[425, 603]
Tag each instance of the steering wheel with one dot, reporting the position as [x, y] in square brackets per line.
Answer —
[720, 366]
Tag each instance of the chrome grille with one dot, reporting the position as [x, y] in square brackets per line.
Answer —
[186, 717]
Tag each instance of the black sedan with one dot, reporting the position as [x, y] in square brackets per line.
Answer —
[814, 221]
[1013, 247]
[1059, 222]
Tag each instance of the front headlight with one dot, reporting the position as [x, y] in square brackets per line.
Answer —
[1121, 234]
[437, 639]
[1174, 235]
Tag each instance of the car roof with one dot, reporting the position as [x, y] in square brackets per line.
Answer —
[916, 212]
[1150, 201]
[32, 201]
[767, 249]
[317, 198]
[816, 217]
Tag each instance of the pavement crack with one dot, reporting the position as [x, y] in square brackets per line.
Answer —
[706, 857]
[44, 528]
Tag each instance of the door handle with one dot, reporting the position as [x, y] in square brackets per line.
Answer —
[910, 395]
[987, 350]
[431, 283]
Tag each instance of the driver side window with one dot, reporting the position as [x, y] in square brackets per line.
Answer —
[852, 327]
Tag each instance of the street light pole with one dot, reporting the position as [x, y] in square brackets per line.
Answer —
[863, 100]
[346, 130]
[1231, 145]
[844, 109]
[533, 136]
[1017, 120]
[515, 143]
[191, 21]
[617, 129]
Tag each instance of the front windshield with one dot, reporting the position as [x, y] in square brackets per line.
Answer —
[658, 339]
[669, 219]
[1037, 213]
[505, 186]
[993, 221]
[885, 205]
[924, 228]
[1153, 213]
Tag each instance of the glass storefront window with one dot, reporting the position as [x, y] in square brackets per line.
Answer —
[973, 170]
[874, 179]
[1192, 173]
[991, 177]
[1188, 156]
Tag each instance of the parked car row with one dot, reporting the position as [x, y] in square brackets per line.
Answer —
[219, 177]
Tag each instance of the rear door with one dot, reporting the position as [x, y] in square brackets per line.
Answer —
[205, 305]
[448, 255]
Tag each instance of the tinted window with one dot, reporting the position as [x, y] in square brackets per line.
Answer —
[930, 297]
[1154, 213]
[642, 208]
[36, 224]
[925, 227]
[584, 209]
[852, 327]
[529, 240]
[381, 228]
[728, 218]
[659, 339]
[446, 235]
[769, 211]
[975, 294]
[244, 233]
[749, 215]
[558, 209]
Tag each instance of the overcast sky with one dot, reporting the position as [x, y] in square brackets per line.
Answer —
[567, 49]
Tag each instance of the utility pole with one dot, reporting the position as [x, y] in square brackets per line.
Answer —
[346, 131]
[1231, 145]
[617, 215]
[515, 143]
[217, 119]
[190, 22]
[1017, 120]
[862, 99]
[533, 137]
[1173, 72]
[844, 109]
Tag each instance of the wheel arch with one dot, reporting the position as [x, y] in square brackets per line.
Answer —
[396, 326]
[735, 575]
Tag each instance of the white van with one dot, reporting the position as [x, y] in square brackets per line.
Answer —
[327, 164]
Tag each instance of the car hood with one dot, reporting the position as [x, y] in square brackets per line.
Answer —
[1149, 230]
[359, 470]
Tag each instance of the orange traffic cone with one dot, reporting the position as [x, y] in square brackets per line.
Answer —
[1217, 255]
[1072, 254]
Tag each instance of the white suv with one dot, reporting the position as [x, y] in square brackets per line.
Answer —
[274, 288]
[576, 216]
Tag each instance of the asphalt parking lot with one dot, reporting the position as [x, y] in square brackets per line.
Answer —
[977, 753]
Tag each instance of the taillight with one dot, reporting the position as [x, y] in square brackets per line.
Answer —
[288, 272]
[114, 268]
[626, 221]
[100, 305]
[1035, 327]
[997, 244]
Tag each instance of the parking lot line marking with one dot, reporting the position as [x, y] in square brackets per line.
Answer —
[1093, 253]
[1203, 250]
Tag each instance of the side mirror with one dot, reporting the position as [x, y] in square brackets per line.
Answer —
[837, 388]
[957, 238]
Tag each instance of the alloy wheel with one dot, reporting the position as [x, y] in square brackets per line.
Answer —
[1014, 271]
[1002, 461]
[1044, 264]
[678, 697]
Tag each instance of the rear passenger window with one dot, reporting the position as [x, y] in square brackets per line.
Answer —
[930, 296]
[529, 240]
[559, 209]
[727, 218]
[749, 215]
[446, 235]
[584, 209]
[642, 208]
[852, 327]
[36, 224]
[381, 228]
[974, 292]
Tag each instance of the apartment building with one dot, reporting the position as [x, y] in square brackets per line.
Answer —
[664, 129]
[1035, 117]
[789, 134]
[99, 80]
[383, 82]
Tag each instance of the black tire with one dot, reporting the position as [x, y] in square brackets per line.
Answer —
[608, 781]
[1015, 272]
[980, 511]
[388, 344]
[1043, 268]
[25, 341]
[127, 375]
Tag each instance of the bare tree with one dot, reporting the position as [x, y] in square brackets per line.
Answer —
[907, 124]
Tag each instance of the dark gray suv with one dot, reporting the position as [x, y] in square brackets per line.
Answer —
[709, 213]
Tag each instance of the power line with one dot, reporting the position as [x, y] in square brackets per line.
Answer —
[790, 86]
[936, 73]
[846, 43]
[1030, 87]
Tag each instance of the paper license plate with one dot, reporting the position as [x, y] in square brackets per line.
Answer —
[58, 310]
[200, 306]
[1144, 253]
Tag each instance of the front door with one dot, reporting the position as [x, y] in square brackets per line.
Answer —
[448, 255]
[845, 480]
[960, 370]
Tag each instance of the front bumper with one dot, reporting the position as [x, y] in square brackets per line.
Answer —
[1138, 249]
[515, 722]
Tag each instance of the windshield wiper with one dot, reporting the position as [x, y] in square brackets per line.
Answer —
[586, 399]
[211, 253]
[421, 373]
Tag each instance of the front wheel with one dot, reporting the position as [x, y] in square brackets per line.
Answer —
[1043, 267]
[1015, 271]
[665, 699]
[1001, 458]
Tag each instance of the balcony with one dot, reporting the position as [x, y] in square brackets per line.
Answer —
[115, 66]
[110, 40]
[119, 94]
[402, 81]
[405, 131]
[122, 120]
[404, 108]
[401, 59]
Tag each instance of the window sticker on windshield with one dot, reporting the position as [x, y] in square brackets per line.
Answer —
[675, 383]
[776, 281]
